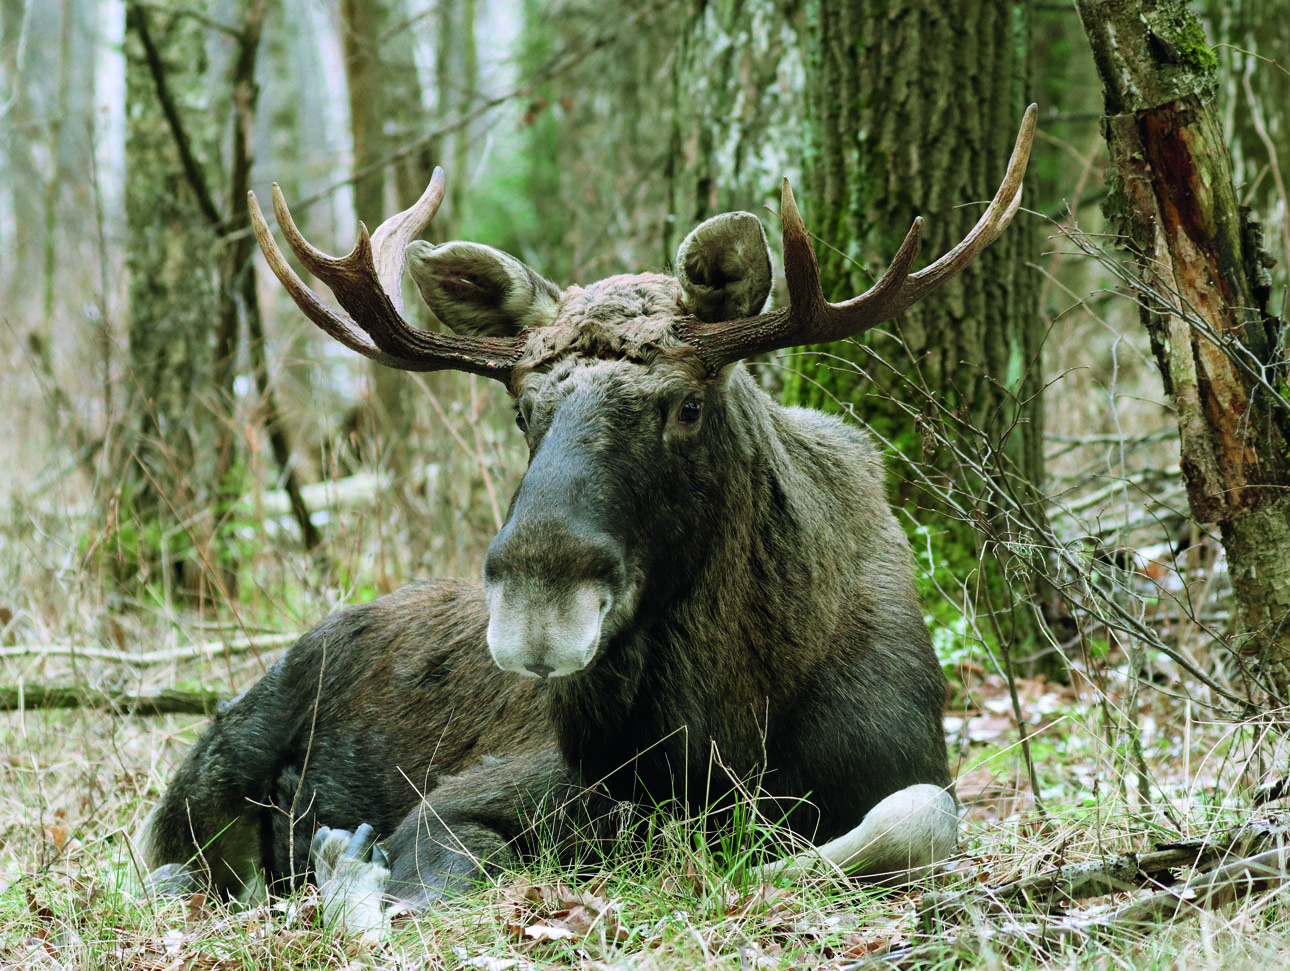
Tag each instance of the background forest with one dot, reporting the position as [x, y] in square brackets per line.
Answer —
[194, 474]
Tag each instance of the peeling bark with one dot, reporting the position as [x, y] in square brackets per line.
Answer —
[1203, 298]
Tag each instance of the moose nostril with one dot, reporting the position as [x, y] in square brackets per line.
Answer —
[540, 669]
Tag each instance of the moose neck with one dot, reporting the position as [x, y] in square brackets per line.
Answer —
[714, 653]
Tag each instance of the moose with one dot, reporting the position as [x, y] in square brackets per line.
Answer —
[697, 594]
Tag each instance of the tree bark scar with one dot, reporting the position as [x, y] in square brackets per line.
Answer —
[1202, 251]
[1186, 201]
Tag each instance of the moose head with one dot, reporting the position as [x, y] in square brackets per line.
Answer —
[627, 391]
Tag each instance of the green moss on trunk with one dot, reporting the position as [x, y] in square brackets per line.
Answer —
[1203, 300]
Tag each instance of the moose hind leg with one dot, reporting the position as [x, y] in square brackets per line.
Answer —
[900, 839]
[206, 831]
[228, 861]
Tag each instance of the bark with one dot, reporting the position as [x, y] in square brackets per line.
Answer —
[209, 651]
[169, 464]
[1203, 300]
[168, 701]
[736, 113]
[890, 137]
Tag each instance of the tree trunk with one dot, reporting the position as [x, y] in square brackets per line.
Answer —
[1203, 299]
[912, 109]
[170, 458]
[456, 71]
[16, 143]
[189, 286]
[368, 74]
[736, 113]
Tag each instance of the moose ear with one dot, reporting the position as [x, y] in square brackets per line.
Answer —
[479, 290]
[724, 268]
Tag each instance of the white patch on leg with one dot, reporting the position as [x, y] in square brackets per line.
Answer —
[353, 891]
[902, 837]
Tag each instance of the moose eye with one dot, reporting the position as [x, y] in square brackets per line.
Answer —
[520, 423]
[690, 411]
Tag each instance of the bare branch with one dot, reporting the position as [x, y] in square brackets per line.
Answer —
[169, 701]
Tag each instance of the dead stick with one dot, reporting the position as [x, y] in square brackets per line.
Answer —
[210, 649]
[33, 697]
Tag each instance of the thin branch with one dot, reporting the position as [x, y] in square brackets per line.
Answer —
[137, 18]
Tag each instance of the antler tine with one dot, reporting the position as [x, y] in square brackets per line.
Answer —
[393, 235]
[338, 326]
[810, 319]
[367, 284]
[996, 218]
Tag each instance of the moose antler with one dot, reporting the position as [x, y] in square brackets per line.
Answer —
[367, 284]
[810, 319]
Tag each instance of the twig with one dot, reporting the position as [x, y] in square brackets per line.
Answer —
[149, 658]
[169, 701]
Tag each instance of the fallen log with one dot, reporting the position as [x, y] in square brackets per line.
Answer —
[168, 701]
[1248, 859]
[193, 652]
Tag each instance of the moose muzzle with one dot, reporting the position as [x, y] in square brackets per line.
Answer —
[556, 577]
[544, 632]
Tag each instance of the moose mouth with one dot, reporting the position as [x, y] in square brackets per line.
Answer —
[544, 633]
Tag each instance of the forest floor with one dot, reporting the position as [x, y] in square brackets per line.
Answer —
[1128, 754]
[75, 785]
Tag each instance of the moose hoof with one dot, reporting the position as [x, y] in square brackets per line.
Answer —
[352, 872]
[332, 846]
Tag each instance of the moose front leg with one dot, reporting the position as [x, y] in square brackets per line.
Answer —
[468, 830]
[901, 839]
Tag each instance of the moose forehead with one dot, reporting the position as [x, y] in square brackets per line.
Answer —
[628, 318]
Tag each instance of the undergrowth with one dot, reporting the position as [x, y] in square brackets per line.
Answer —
[1138, 742]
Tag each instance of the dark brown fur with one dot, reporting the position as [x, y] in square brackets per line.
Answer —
[764, 621]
